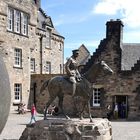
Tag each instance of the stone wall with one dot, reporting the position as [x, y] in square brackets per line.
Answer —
[30, 46]
[61, 129]
[11, 40]
[121, 83]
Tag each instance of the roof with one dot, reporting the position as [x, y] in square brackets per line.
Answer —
[43, 18]
[84, 55]
[130, 55]
[55, 32]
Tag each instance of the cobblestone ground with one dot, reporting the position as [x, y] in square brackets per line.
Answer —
[15, 125]
[122, 130]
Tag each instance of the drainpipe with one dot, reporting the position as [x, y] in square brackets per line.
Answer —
[41, 54]
[34, 93]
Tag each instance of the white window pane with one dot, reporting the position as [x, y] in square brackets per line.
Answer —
[17, 56]
[17, 91]
[25, 24]
[32, 64]
[10, 19]
[96, 97]
[48, 38]
[48, 67]
[17, 21]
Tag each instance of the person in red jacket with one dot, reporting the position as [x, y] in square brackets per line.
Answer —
[33, 114]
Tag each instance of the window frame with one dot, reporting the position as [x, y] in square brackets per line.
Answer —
[10, 19]
[17, 92]
[17, 21]
[25, 24]
[17, 57]
[32, 64]
[96, 100]
[48, 38]
[48, 67]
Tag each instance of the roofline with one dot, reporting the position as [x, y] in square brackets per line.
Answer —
[58, 35]
[42, 11]
[85, 48]
[134, 44]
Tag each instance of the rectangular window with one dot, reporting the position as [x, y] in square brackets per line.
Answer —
[18, 92]
[32, 64]
[60, 47]
[17, 21]
[18, 57]
[96, 97]
[48, 38]
[10, 20]
[25, 24]
[48, 67]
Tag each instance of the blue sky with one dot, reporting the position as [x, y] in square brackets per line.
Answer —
[83, 21]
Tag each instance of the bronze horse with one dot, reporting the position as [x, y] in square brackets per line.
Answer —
[59, 86]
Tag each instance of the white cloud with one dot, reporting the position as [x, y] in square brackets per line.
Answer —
[106, 7]
[128, 10]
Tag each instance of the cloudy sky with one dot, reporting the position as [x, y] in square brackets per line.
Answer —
[83, 21]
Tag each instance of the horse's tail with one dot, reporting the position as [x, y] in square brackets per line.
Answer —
[45, 84]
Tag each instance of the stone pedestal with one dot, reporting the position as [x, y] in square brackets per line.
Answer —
[74, 129]
[5, 96]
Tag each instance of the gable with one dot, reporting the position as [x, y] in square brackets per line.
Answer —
[44, 19]
[84, 55]
[49, 22]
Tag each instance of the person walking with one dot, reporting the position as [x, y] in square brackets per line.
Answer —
[33, 114]
[108, 112]
[116, 111]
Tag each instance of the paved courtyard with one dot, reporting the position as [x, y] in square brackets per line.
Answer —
[122, 130]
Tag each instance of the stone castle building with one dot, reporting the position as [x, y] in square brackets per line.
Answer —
[121, 88]
[29, 44]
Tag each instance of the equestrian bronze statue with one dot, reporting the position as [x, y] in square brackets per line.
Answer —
[59, 86]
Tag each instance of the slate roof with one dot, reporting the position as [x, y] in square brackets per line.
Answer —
[130, 55]
[44, 18]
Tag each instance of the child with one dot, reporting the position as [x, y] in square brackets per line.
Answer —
[33, 113]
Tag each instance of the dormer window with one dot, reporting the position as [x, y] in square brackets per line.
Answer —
[44, 24]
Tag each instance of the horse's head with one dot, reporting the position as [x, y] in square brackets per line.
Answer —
[96, 69]
[106, 68]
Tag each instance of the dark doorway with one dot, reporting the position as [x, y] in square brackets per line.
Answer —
[122, 102]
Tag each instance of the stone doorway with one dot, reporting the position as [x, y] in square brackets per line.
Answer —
[122, 102]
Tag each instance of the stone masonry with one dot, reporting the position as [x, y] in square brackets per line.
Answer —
[30, 45]
[122, 86]
[62, 129]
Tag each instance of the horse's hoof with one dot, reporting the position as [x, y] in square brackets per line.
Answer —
[81, 118]
[91, 121]
[45, 118]
[67, 117]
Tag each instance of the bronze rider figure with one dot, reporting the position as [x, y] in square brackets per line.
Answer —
[72, 70]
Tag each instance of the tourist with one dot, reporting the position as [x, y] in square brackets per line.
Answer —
[33, 114]
[109, 112]
[116, 111]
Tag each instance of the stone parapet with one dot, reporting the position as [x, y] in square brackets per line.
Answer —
[73, 129]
